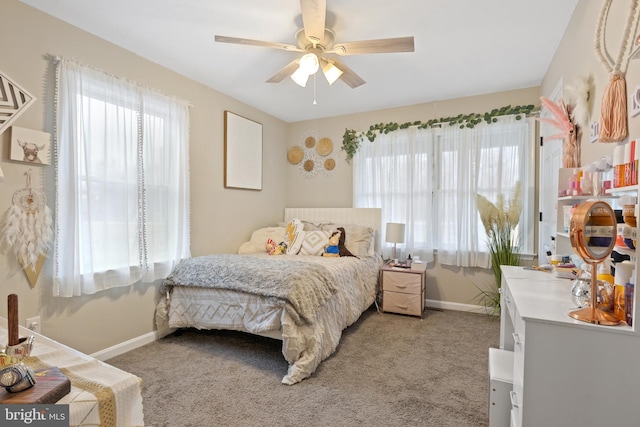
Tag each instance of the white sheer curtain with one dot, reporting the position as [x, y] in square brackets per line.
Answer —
[396, 173]
[459, 241]
[429, 180]
[122, 189]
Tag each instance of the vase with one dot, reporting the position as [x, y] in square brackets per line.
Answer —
[581, 293]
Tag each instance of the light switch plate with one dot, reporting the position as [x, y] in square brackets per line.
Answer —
[635, 102]
[593, 132]
[33, 323]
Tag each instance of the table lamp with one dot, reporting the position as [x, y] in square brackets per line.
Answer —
[395, 235]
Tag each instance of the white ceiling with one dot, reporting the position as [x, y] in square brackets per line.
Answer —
[462, 47]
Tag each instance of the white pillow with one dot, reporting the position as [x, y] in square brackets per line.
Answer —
[314, 242]
[257, 242]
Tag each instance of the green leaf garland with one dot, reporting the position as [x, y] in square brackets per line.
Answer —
[351, 138]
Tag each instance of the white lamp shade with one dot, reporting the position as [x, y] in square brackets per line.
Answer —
[395, 232]
[300, 77]
[331, 72]
[309, 63]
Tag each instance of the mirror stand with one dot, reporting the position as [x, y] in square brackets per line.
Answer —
[593, 235]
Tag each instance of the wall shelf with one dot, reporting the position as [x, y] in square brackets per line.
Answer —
[629, 189]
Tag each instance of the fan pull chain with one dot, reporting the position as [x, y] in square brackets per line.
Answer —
[314, 90]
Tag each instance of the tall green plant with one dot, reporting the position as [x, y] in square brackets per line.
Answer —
[500, 221]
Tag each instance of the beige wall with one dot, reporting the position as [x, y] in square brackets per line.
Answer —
[221, 218]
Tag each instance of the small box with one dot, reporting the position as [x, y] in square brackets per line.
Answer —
[418, 265]
[500, 385]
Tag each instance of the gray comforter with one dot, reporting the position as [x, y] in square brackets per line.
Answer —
[302, 286]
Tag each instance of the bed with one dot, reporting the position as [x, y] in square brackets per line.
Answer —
[304, 299]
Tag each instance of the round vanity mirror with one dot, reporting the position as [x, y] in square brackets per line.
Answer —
[593, 233]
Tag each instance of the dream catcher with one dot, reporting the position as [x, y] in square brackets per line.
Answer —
[28, 229]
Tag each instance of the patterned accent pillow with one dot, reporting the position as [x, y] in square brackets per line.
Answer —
[294, 236]
[314, 242]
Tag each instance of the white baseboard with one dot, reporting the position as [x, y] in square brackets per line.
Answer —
[444, 305]
[126, 346]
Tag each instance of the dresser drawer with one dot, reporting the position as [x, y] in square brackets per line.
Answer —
[517, 396]
[397, 302]
[408, 283]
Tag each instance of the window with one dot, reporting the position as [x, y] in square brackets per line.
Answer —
[122, 195]
[428, 179]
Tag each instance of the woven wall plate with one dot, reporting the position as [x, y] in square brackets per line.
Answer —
[295, 155]
[309, 165]
[324, 147]
[329, 164]
[310, 142]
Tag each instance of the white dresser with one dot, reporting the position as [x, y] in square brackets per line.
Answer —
[565, 372]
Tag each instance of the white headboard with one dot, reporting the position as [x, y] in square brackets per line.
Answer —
[370, 217]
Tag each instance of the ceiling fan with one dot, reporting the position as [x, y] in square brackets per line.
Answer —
[315, 41]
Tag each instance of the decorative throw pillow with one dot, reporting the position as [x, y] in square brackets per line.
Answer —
[313, 226]
[294, 236]
[314, 242]
[258, 237]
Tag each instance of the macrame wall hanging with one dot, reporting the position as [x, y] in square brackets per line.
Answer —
[613, 111]
[27, 229]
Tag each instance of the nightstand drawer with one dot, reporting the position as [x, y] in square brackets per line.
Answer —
[399, 281]
[402, 303]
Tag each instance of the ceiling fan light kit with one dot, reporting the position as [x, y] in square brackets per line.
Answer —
[315, 40]
[309, 65]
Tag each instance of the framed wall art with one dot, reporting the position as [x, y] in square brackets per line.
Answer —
[14, 100]
[30, 146]
[242, 152]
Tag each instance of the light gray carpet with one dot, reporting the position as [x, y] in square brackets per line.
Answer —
[389, 370]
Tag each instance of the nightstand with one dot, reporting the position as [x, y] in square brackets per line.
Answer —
[403, 290]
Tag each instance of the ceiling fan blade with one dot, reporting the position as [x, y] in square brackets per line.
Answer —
[250, 42]
[399, 44]
[348, 75]
[314, 13]
[285, 71]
